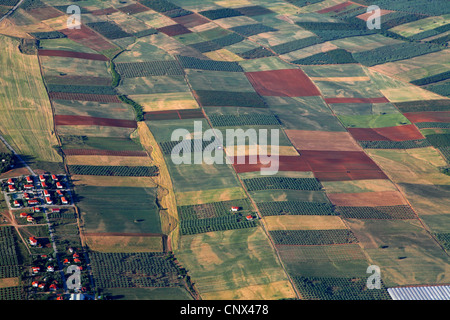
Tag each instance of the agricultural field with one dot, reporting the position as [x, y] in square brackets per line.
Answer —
[358, 149]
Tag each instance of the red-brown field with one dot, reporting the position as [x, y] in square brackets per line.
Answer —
[102, 12]
[69, 120]
[367, 199]
[191, 20]
[396, 133]
[357, 100]
[283, 83]
[88, 38]
[101, 152]
[284, 163]
[45, 13]
[105, 98]
[322, 140]
[72, 54]
[428, 116]
[336, 8]
[335, 161]
[133, 8]
[174, 30]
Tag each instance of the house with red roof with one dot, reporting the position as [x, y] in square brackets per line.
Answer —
[53, 287]
[26, 196]
[28, 186]
[48, 200]
[42, 178]
[11, 188]
[35, 269]
[35, 284]
[41, 285]
[23, 215]
[64, 200]
[54, 177]
[33, 241]
[249, 217]
[30, 219]
[36, 209]
[234, 209]
[50, 269]
[16, 203]
[10, 181]
[44, 185]
[33, 201]
[29, 179]
[59, 185]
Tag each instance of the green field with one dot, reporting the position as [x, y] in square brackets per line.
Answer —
[118, 209]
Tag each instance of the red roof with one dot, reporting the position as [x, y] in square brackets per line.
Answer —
[23, 214]
[10, 180]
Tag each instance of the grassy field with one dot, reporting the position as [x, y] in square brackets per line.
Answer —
[26, 121]
[238, 264]
[147, 294]
[119, 209]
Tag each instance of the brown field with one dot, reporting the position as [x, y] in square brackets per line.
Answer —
[72, 54]
[174, 30]
[366, 15]
[45, 13]
[101, 152]
[322, 140]
[367, 199]
[336, 8]
[274, 290]
[123, 243]
[397, 133]
[133, 8]
[68, 120]
[110, 160]
[208, 196]
[191, 20]
[284, 83]
[104, 181]
[89, 38]
[299, 222]
[9, 282]
[428, 116]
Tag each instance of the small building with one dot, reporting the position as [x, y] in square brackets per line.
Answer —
[64, 200]
[234, 209]
[59, 185]
[29, 179]
[11, 188]
[41, 286]
[75, 255]
[48, 200]
[46, 193]
[37, 209]
[55, 210]
[50, 269]
[35, 269]
[44, 185]
[30, 219]
[59, 193]
[26, 196]
[10, 181]
[76, 260]
[23, 215]
[35, 284]
[42, 178]
[16, 203]
[54, 177]
[66, 261]
[33, 202]
[33, 241]
[249, 217]
[28, 186]
[53, 287]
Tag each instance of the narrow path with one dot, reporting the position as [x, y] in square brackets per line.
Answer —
[17, 156]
